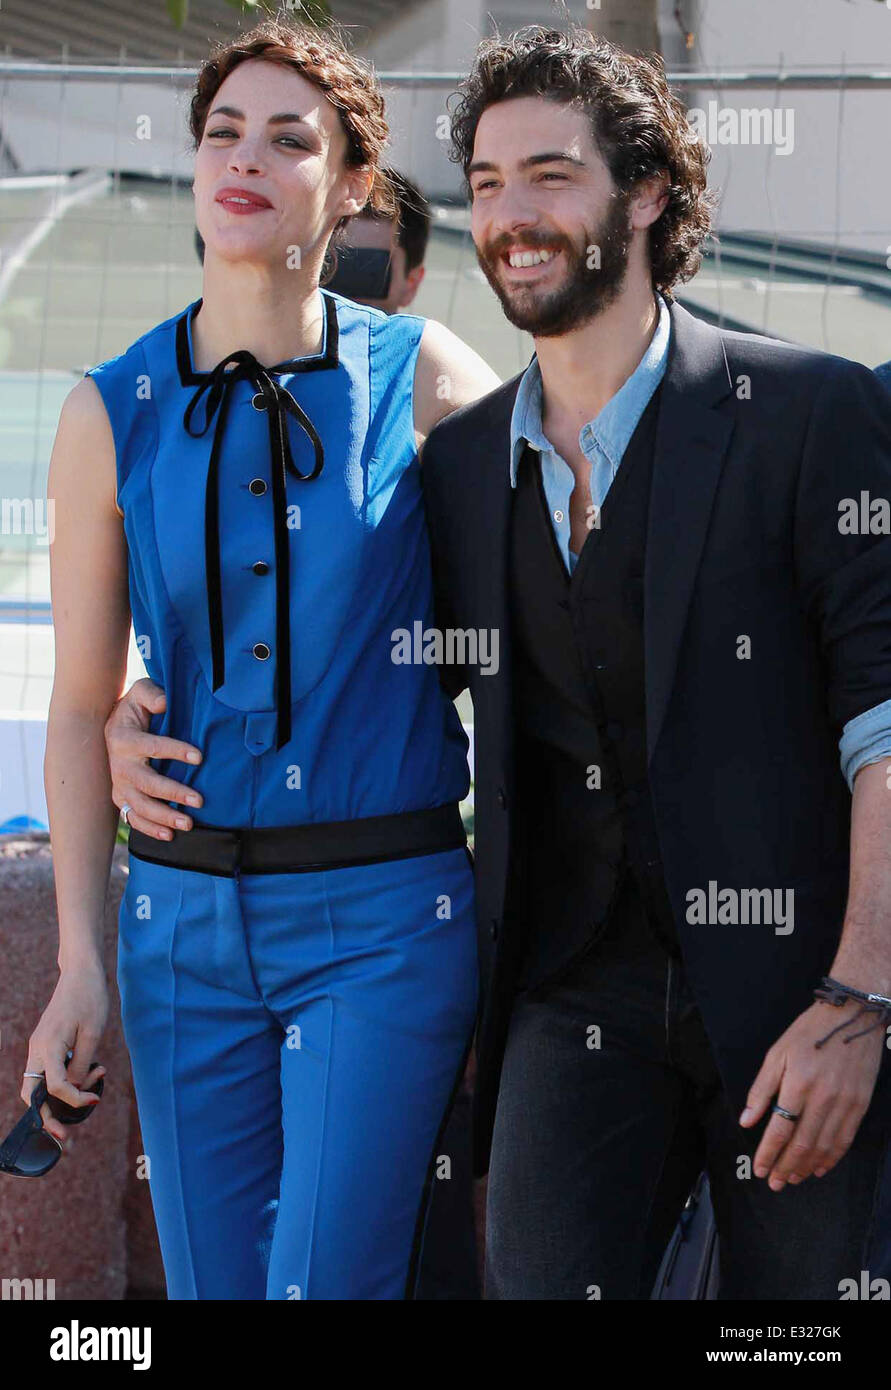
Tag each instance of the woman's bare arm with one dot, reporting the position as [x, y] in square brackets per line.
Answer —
[448, 374]
[91, 618]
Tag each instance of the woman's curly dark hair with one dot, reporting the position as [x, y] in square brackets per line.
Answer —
[639, 127]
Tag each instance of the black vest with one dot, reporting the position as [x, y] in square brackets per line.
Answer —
[584, 812]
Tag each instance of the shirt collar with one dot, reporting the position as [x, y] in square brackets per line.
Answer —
[613, 427]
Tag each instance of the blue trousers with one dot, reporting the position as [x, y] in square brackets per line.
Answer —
[295, 1041]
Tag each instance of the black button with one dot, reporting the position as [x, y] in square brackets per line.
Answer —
[261, 651]
[502, 799]
[600, 666]
[615, 730]
[493, 929]
[257, 486]
[628, 799]
[652, 863]
[258, 401]
[260, 567]
[563, 603]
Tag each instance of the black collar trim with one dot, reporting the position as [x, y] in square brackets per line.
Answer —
[328, 358]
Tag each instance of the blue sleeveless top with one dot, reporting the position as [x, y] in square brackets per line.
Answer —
[277, 545]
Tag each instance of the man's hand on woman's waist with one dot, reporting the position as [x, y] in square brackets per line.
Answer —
[134, 783]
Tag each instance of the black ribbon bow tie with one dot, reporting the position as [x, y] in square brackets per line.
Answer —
[278, 403]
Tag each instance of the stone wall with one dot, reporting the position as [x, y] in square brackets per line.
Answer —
[87, 1224]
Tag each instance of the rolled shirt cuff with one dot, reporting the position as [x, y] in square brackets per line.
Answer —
[865, 739]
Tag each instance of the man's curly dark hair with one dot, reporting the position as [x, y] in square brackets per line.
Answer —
[640, 129]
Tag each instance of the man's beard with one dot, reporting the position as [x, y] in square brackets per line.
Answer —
[585, 291]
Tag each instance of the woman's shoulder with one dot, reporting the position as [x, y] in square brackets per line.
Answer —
[136, 353]
[381, 326]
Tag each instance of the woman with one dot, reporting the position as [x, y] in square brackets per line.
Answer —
[298, 972]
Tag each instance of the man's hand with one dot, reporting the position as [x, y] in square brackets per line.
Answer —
[130, 745]
[828, 1087]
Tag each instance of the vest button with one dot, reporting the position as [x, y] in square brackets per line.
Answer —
[493, 929]
[257, 486]
[614, 730]
[261, 651]
[260, 567]
[502, 799]
[628, 799]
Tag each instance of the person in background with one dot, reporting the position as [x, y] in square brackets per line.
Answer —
[389, 249]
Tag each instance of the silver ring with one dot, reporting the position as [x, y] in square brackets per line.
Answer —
[40, 1074]
[125, 811]
[786, 1114]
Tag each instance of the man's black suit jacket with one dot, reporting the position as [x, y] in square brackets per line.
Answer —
[758, 444]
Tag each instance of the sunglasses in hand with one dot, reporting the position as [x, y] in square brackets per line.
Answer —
[28, 1151]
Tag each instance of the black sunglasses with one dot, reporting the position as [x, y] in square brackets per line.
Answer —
[28, 1151]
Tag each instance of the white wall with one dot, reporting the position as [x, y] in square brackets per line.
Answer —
[839, 140]
[57, 125]
[836, 180]
[835, 183]
[434, 36]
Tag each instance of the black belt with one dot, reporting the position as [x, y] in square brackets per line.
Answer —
[290, 849]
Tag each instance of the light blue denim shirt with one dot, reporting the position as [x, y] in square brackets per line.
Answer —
[603, 441]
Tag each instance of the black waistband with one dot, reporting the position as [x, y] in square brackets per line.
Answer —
[290, 849]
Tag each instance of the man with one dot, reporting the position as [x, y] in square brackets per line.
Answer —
[658, 518]
[650, 517]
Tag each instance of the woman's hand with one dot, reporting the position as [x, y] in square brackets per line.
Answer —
[73, 1020]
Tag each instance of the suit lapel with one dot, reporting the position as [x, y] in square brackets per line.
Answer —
[692, 438]
[491, 498]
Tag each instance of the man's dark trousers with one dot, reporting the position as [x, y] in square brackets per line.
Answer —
[610, 1106]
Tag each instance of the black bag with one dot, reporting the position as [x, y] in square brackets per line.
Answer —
[689, 1268]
